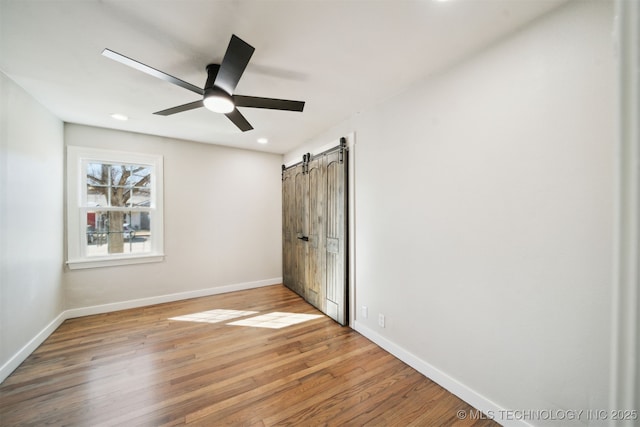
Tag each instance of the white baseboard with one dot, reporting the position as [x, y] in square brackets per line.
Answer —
[30, 347]
[490, 409]
[143, 302]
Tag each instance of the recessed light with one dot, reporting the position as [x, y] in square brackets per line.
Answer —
[262, 140]
[120, 117]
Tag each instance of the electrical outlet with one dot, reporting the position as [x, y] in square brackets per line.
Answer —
[381, 320]
[365, 312]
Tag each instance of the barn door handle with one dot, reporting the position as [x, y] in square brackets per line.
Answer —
[305, 238]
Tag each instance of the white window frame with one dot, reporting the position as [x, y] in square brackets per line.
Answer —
[77, 160]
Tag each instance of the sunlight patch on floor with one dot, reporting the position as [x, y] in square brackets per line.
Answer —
[213, 316]
[275, 320]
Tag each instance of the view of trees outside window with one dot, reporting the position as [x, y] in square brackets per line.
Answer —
[118, 198]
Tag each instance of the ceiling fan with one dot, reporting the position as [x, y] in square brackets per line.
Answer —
[222, 80]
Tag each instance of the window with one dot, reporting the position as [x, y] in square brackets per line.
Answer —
[114, 208]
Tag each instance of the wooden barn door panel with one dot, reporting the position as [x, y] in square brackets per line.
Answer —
[288, 228]
[336, 247]
[301, 230]
[315, 289]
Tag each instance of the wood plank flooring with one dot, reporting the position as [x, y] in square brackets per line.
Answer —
[144, 367]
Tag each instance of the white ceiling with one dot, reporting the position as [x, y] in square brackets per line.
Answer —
[340, 56]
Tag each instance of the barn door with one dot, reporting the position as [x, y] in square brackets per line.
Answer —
[315, 231]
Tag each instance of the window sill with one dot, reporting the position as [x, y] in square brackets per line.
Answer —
[79, 264]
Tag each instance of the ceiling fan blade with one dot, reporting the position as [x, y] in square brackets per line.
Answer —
[233, 64]
[180, 108]
[151, 71]
[270, 103]
[239, 120]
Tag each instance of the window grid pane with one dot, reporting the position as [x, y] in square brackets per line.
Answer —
[115, 232]
[118, 185]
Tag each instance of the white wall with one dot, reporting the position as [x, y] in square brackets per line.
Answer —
[222, 222]
[31, 220]
[484, 218]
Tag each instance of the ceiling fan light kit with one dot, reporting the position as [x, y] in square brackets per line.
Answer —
[218, 101]
[218, 93]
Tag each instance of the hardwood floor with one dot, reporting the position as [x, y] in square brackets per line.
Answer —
[151, 366]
